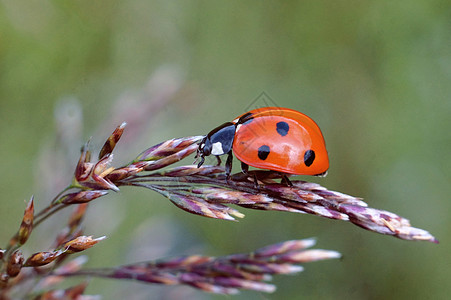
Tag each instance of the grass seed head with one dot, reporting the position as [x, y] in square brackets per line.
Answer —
[81, 243]
[15, 263]
[27, 223]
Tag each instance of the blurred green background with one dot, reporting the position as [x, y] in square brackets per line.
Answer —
[375, 75]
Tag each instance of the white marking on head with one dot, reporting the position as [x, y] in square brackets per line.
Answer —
[217, 149]
[238, 127]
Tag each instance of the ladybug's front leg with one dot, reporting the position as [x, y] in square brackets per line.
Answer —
[219, 161]
[202, 159]
[228, 165]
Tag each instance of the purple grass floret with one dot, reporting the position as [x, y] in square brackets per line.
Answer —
[225, 275]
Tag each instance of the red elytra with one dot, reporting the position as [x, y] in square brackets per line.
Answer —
[280, 139]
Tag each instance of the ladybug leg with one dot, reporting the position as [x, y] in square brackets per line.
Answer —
[245, 168]
[228, 165]
[256, 186]
[219, 161]
[202, 159]
[286, 181]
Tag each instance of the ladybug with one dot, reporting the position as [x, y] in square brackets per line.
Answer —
[272, 138]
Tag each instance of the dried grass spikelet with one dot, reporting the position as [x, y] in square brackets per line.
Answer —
[224, 275]
[204, 191]
[27, 223]
[75, 245]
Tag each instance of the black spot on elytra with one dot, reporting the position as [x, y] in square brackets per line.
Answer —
[309, 157]
[282, 128]
[263, 152]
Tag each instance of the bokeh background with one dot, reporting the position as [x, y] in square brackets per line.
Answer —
[375, 75]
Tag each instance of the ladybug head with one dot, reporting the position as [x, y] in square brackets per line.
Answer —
[218, 142]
